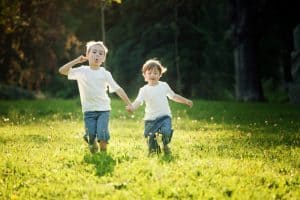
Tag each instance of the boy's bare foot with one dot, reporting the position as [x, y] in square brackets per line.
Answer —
[94, 147]
[86, 138]
[103, 146]
[167, 149]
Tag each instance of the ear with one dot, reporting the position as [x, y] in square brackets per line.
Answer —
[144, 77]
[87, 55]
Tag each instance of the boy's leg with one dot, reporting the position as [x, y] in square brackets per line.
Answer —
[86, 137]
[90, 126]
[150, 133]
[102, 129]
[167, 133]
[85, 134]
[153, 146]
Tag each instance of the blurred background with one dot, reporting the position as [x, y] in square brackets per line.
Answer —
[213, 49]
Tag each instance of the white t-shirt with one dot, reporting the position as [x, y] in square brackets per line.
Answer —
[156, 100]
[93, 85]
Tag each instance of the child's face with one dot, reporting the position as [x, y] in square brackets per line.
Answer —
[96, 55]
[152, 76]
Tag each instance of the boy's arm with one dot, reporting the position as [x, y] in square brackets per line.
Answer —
[121, 93]
[180, 99]
[66, 68]
[137, 102]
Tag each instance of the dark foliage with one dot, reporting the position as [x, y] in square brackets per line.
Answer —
[11, 92]
[191, 38]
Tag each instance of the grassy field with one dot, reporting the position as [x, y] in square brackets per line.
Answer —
[220, 150]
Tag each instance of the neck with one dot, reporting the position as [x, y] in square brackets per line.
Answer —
[94, 67]
[153, 84]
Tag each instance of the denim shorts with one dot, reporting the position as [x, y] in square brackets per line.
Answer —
[96, 125]
[161, 125]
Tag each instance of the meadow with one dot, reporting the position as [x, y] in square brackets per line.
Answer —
[220, 150]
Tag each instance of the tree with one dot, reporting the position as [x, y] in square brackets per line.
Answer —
[246, 35]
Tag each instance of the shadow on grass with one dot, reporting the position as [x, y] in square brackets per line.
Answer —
[27, 138]
[36, 138]
[103, 162]
[167, 158]
[4, 140]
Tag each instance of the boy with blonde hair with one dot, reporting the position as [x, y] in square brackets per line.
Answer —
[93, 81]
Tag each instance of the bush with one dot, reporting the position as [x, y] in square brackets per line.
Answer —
[13, 92]
[61, 87]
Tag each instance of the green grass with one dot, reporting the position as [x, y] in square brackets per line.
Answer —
[220, 150]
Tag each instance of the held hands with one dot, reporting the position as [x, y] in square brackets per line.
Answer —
[129, 108]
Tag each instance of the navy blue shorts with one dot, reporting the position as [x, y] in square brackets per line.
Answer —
[161, 125]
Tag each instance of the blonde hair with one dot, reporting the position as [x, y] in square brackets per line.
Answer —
[92, 43]
[153, 63]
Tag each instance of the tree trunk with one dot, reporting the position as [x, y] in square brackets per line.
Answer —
[286, 57]
[103, 24]
[6, 58]
[176, 52]
[248, 81]
[103, 21]
[248, 84]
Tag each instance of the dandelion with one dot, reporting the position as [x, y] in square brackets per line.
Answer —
[211, 118]
[123, 117]
[13, 197]
[5, 119]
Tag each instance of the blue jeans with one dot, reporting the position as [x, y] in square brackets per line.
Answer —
[96, 125]
[162, 125]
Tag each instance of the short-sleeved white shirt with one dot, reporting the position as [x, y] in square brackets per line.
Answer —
[93, 85]
[155, 98]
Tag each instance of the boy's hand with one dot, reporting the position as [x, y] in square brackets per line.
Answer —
[189, 103]
[66, 68]
[129, 108]
[81, 59]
